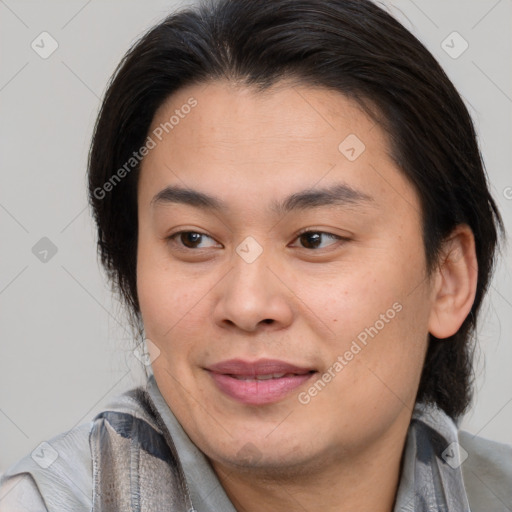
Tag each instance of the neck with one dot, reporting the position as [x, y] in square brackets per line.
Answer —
[336, 483]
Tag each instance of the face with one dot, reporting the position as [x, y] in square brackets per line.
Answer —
[290, 307]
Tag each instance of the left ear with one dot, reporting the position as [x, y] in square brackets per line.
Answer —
[454, 283]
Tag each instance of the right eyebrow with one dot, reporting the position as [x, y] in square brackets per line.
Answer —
[175, 194]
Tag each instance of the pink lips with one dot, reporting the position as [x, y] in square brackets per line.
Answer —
[260, 382]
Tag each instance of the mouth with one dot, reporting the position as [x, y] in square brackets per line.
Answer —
[260, 382]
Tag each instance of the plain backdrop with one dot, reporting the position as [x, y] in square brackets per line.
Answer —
[65, 348]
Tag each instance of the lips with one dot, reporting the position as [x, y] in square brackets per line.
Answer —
[259, 382]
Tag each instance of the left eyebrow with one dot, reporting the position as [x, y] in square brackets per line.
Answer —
[339, 194]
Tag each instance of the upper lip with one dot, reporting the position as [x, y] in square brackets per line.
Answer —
[259, 367]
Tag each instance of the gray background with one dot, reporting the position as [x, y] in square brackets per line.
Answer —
[65, 349]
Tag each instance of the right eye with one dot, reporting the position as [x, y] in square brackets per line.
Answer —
[188, 239]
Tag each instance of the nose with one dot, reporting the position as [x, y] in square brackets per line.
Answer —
[253, 297]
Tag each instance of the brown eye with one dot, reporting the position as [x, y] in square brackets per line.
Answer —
[314, 239]
[189, 239]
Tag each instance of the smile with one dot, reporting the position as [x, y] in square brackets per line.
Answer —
[260, 382]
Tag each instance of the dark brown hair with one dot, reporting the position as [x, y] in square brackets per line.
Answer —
[351, 46]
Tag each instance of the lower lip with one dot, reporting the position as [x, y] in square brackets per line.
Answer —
[258, 392]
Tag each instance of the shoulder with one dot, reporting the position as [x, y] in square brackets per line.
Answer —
[21, 491]
[57, 474]
[487, 472]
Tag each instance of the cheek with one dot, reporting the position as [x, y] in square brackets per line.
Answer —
[393, 341]
[168, 300]
[350, 300]
[378, 314]
[168, 306]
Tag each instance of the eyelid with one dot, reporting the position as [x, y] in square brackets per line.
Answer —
[316, 230]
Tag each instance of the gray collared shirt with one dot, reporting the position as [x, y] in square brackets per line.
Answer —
[444, 469]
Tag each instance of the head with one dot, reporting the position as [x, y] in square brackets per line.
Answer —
[296, 181]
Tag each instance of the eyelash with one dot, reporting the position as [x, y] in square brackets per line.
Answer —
[172, 238]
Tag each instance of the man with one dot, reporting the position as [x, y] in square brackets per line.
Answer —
[290, 198]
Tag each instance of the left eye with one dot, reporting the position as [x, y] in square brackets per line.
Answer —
[313, 239]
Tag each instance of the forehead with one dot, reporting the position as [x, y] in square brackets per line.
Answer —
[284, 114]
[256, 144]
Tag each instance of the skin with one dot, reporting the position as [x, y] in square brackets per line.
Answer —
[297, 303]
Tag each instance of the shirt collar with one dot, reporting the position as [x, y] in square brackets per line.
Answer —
[206, 492]
[431, 477]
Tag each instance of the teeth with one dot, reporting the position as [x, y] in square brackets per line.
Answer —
[263, 377]
[270, 376]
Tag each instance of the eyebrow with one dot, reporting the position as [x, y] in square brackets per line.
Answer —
[338, 194]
